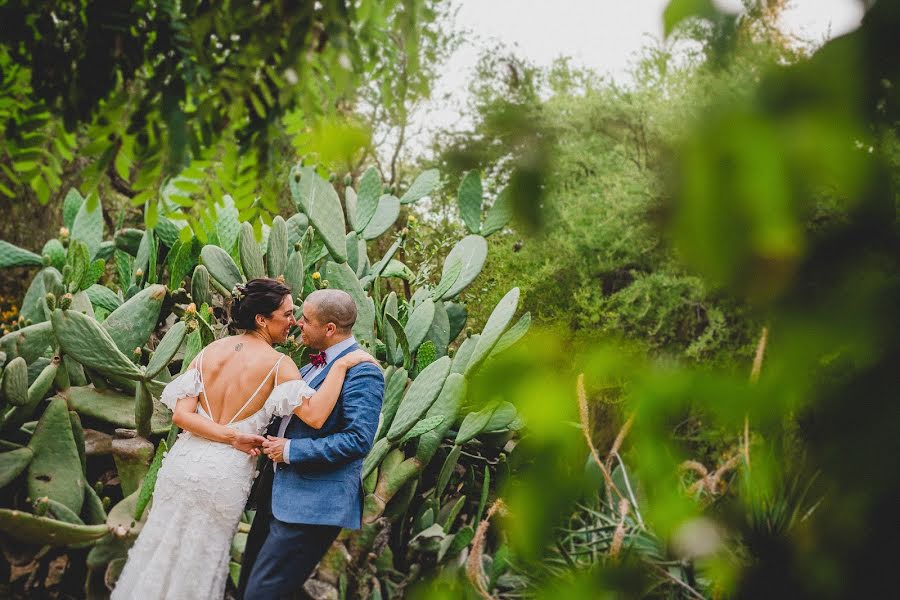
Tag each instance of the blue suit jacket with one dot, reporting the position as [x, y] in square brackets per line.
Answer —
[322, 485]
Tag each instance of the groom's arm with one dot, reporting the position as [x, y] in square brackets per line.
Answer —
[362, 396]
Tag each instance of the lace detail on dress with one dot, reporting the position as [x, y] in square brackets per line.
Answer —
[186, 384]
[288, 396]
[183, 550]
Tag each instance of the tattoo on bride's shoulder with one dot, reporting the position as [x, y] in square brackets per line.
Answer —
[238, 347]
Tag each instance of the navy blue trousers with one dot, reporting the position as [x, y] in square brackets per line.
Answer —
[279, 556]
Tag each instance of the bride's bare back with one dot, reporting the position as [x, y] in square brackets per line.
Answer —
[232, 369]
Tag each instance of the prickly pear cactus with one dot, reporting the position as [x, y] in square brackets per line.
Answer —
[106, 322]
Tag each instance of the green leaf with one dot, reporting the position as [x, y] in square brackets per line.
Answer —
[425, 355]
[124, 268]
[45, 531]
[93, 273]
[447, 470]
[419, 323]
[424, 184]
[422, 427]
[115, 408]
[378, 268]
[78, 259]
[385, 215]
[395, 268]
[494, 328]
[88, 225]
[475, 422]
[457, 315]
[512, 335]
[498, 215]
[277, 250]
[55, 470]
[103, 297]
[394, 354]
[448, 278]
[228, 225]
[679, 10]
[222, 268]
[439, 332]
[13, 256]
[250, 253]
[149, 482]
[470, 198]
[419, 397]
[317, 198]
[167, 231]
[401, 338]
[296, 226]
[182, 259]
[71, 206]
[166, 349]
[393, 394]
[471, 252]
[350, 206]
[13, 463]
[367, 197]
[503, 415]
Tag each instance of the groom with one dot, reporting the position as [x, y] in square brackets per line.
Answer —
[317, 486]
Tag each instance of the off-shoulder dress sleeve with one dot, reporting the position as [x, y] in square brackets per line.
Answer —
[185, 385]
[289, 395]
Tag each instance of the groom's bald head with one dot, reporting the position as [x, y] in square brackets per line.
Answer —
[334, 306]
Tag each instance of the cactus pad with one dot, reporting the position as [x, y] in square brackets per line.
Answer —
[250, 253]
[55, 470]
[86, 341]
[223, 271]
[471, 252]
[115, 408]
[318, 200]
[132, 324]
[277, 251]
[44, 531]
[419, 397]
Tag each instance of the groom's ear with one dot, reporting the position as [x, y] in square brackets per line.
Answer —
[330, 328]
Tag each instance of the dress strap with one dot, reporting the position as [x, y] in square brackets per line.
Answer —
[259, 387]
[278, 362]
[200, 371]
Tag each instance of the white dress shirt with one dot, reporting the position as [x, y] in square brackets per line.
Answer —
[331, 353]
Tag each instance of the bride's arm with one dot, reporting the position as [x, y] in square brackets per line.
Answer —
[186, 417]
[315, 411]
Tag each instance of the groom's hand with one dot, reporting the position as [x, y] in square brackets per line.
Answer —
[273, 447]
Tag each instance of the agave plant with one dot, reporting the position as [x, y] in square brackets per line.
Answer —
[99, 355]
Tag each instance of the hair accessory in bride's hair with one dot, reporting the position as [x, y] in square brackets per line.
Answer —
[238, 291]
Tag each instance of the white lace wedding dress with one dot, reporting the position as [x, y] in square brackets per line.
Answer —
[183, 549]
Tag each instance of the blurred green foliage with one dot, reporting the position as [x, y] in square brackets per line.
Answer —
[713, 246]
[758, 186]
[600, 261]
[193, 91]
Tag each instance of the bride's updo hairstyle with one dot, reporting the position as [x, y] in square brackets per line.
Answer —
[256, 297]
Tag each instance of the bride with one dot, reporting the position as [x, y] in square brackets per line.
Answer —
[223, 402]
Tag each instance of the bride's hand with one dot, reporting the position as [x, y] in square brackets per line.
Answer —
[247, 442]
[354, 358]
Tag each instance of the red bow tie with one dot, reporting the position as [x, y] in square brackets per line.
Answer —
[317, 360]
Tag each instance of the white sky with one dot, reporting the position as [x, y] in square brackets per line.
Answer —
[602, 34]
